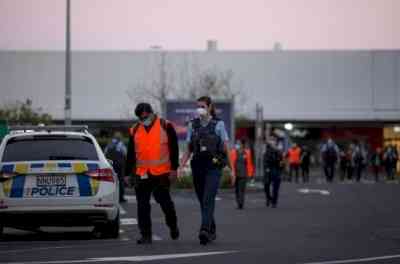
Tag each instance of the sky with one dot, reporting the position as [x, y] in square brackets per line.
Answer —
[187, 24]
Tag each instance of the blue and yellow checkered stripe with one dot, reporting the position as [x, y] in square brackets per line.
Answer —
[14, 187]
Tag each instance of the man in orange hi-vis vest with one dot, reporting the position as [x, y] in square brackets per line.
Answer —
[153, 159]
[242, 163]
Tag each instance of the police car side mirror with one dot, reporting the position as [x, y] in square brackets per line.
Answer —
[111, 162]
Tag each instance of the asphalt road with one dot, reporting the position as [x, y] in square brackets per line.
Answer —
[314, 223]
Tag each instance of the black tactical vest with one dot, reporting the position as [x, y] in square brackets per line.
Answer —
[205, 143]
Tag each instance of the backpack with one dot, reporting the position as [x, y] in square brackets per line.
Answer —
[330, 154]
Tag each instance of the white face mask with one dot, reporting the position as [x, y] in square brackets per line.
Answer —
[238, 146]
[201, 111]
[147, 122]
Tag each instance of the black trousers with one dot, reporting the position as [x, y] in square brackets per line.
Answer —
[240, 190]
[206, 182]
[120, 173]
[305, 170]
[294, 168]
[159, 186]
[272, 178]
[329, 170]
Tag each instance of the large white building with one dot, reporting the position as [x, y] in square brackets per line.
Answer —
[290, 85]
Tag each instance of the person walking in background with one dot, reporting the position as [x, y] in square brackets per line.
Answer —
[242, 164]
[208, 144]
[390, 158]
[377, 162]
[305, 162]
[273, 157]
[294, 156]
[116, 152]
[343, 164]
[359, 159]
[329, 157]
[351, 164]
[153, 159]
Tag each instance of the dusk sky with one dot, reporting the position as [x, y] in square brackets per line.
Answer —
[187, 24]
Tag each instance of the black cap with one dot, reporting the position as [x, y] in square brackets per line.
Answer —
[143, 108]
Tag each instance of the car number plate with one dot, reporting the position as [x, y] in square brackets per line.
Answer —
[51, 180]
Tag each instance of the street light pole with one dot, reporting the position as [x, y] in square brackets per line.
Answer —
[67, 109]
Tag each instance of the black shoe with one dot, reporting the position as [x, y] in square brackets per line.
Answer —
[174, 233]
[268, 203]
[204, 237]
[274, 205]
[144, 240]
[123, 200]
[213, 236]
[240, 206]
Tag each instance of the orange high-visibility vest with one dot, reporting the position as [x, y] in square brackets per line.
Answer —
[248, 158]
[151, 149]
[294, 155]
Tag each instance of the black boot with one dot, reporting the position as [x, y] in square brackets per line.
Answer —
[174, 233]
[144, 240]
[204, 237]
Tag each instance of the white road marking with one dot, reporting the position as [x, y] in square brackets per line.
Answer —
[122, 210]
[128, 221]
[132, 258]
[318, 191]
[218, 198]
[357, 260]
[121, 231]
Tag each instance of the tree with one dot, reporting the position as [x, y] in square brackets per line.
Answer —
[23, 113]
[186, 81]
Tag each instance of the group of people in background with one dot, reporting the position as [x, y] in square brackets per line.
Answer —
[151, 158]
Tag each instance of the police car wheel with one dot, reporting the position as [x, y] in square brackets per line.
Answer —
[108, 230]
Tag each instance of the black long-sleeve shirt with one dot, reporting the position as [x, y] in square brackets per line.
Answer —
[173, 149]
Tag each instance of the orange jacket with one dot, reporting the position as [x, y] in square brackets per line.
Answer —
[151, 149]
[248, 158]
[294, 155]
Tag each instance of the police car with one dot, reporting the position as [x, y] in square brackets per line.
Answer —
[56, 176]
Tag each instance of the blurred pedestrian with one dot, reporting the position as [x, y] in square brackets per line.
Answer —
[294, 156]
[208, 144]
[359, 159]
[329, 157]
[273, 157]
[390, 158]
[242, 164]
[305, 162]
[153, 159]
[116, 152]
[343, 164]
[377, 162]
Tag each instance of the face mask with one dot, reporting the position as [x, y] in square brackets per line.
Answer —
[147, 121]
[201, 112]
[238, 146]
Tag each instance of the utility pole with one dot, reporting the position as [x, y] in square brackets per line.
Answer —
[67, 109]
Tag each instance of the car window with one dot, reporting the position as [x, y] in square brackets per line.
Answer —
[49, 147]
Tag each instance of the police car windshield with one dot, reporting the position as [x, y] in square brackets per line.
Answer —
[49, 147]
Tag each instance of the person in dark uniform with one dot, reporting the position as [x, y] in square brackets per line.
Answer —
[116, 152]
[273, 158]
[305, 161]
[242, 163]
[153, 160]
[208, 143]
